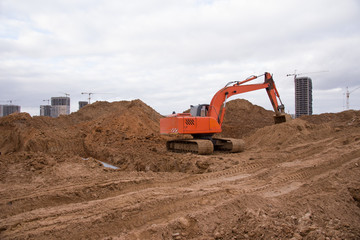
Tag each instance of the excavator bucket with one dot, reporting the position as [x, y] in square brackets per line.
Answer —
[279, 118]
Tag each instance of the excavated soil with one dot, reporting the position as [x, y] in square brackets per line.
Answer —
[295, 180]
[243, 118]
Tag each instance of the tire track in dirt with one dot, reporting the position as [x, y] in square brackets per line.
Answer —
[302, 174]
[133, 212]
[68, 193]
[318, 169]
[179, 204]
[176, 205]
[143, 203]
[73, 193]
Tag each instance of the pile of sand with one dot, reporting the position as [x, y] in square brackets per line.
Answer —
[307, 129]
[113, 132]
[242, 118]
[346, 118]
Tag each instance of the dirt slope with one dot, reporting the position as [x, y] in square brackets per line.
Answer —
[112, 132]
[242, 118]
[296, 180]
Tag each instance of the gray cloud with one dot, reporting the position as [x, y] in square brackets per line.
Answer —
[172, 54]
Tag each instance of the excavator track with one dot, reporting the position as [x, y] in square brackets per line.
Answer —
[229, 144]
[199, 146]
[203, 146]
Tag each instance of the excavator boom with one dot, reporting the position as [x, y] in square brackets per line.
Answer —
[218, 102]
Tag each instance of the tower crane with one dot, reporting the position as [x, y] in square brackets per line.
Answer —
[8, 101]
[89, 93]
[348, 96]
[297, 74]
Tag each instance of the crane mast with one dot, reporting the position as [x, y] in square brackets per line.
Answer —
[348, 96]
[89, 93]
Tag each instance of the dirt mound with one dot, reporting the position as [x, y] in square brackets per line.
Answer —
[242, 118]
[346, 118]
[308, 129]
[295, 131]
[21, 132]
[100, 130]
[103, 109]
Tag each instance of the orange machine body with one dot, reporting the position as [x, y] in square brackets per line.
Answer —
[184, 123]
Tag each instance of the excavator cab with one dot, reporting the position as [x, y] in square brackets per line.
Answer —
[200, 110]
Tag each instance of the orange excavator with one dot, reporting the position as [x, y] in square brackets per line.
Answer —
[205, 120]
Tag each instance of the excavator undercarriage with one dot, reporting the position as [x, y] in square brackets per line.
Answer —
[206, 146]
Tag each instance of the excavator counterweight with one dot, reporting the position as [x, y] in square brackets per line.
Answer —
[205, 120]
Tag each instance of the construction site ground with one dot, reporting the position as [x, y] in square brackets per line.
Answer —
[295, 180]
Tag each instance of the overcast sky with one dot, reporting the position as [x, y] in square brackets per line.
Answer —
[173, 53]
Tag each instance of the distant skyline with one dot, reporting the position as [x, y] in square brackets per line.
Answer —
[171, 54]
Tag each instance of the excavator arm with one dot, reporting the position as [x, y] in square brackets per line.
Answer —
[218, 103]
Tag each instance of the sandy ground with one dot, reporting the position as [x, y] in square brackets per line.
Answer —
[296, 180]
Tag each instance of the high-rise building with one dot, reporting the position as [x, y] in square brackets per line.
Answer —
[45, 110]
[82, 104]
[8, 109]
[303, 96]
[60, 106]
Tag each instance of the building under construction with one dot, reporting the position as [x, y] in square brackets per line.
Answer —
[82, 104]
[8, 109]
[303, 96]
[45, 110]
[60, 106]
